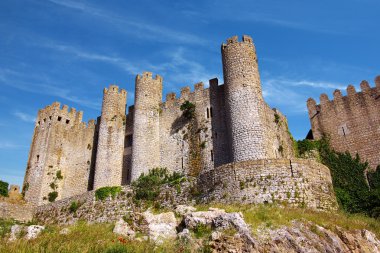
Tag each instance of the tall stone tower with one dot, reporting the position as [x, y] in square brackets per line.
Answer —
[243, 99]
[109, 160]
[146, 125]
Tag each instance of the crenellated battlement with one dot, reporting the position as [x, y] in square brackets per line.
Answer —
[352, 94]
[149, 75]
[114, 89]
[235, 40]
[55, 114]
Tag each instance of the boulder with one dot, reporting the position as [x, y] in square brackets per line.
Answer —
[184, 210]
[184, 235]
[122, 228]
[161, 226]
[15, 232]
[191, 220]
[33, 231]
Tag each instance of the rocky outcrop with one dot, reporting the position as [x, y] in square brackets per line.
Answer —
[161, 226]
[30, 232]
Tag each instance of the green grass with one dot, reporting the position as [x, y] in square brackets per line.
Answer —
[275, 216]
[85, 238]
[100, 238]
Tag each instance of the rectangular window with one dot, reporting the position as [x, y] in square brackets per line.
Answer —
[211, 112]
[207, 113]
[59, 118]
[212, 155]
[67, 121]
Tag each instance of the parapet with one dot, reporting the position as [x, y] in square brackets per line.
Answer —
[149, 75]
[213, 83]
[199, 86]
[54, 114]
[234, 40]
[114, 89]
[351, 95]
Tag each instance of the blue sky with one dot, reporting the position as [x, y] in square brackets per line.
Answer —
[67, 51]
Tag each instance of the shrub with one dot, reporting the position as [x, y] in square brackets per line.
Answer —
[147, 187]
[188, 109]
[59, 175]
[276, 118]
[4, 188]
[104, 192]
[74, 206]
[202, 230]
[52, 196]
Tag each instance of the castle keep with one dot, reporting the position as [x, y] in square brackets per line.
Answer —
[351, 122]
[233, 138]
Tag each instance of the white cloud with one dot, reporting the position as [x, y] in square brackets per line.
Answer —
[138, 27]
[25, 117]
[10, 145]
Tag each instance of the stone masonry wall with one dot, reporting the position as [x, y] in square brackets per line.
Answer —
[19, 212]
[352, 122]
[146, 125]
[244, 102]
[59, 155]
[110, 150]
[296, 182]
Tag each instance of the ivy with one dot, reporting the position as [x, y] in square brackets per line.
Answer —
[188, 109]
[52, 196]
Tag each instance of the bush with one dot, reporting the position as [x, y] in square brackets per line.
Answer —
[147, 187]
[188, 110]
[52, 196]
[348, 176]
[4, 188]
[104, 192]
[74, 206]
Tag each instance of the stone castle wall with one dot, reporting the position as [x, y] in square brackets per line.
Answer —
[60, 155]
[297, 182]
[110, 149]
[352, 122]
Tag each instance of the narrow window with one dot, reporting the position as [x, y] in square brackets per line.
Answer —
[182, 162]
[38, 158]
[67, 121]
[208, 113]
[212, 155]
[211, 112]
[44, 120]
[49, 117]
[344, 133]
[59, 118]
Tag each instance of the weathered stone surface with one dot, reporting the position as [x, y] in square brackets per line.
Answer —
[15, 232]
[161, 226]
[33, 231]
[351, 122]
[21, 212]
[122, 228]
[183, 209]
[191, 220]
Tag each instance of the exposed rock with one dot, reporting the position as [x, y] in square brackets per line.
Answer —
[122, 228]
[184, 235]
[33, 231]
[64, 231]
[191, 220]
[184, 210]
[15, 232]
[236, 221]
[161, 226]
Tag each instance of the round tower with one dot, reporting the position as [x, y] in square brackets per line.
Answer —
[146, 129]
[244, 100]
[109, 157]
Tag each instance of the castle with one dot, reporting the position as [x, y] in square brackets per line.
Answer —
[233, 138]
[351, 122]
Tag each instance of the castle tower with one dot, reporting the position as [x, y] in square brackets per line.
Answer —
[146, 131]
[109, 158]
[243, 99]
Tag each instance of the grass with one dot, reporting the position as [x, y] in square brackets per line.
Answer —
[100, 238]
[84, 238]
[276, 216]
